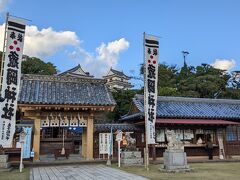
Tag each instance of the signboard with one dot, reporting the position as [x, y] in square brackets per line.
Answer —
[119, 135]
[27, 143]
[104, 143]
[151, 46]
[11, 78]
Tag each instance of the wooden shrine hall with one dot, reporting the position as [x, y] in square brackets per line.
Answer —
[63, 106]
[193, 121]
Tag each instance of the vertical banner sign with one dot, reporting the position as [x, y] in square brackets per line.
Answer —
[104, 143]
[11, 79]
[151, 45]
[27, 143]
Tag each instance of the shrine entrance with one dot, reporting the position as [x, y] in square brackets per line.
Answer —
[53, 138]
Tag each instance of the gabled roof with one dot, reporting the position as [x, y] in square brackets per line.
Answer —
[113, 72]
[76, 72]
[182, 107]
[41, 89]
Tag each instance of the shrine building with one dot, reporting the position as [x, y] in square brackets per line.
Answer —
[117, 80]
[193, 120]
[64, 106]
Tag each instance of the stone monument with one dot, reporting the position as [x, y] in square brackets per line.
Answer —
[131, 156]
[174, 156]
[4, 164]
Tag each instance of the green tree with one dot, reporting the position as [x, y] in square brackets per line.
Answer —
[123, 99]
[167, 79]
[35, 65]
[230, 93]
[211, 81]
[203, 81]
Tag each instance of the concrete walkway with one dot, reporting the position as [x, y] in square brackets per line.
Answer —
[81, 172]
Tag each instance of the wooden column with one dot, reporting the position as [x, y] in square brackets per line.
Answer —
[36, 139]
[154, 152]
[84, 143]
[90, 137]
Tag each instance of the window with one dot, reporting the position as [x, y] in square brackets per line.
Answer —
[231, 133]
[160, 135]
[238, 132]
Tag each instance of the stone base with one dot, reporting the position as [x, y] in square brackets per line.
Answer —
[4, 164]
[130, 158]
[176, 170]
[175, 160]
[6, 170]
[3, 158]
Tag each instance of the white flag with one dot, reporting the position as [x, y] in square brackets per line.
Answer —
[11, 79]
[151, 45]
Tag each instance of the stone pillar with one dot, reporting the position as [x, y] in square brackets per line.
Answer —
[90, 137]
[36, 139]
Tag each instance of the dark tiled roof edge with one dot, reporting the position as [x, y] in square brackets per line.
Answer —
[119, 73]
[182, 107]
[132, 116]
[110, 96]
[61, 78]
[188, 99]
[115, 127]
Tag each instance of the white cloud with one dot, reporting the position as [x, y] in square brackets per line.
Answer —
[44, 42]
[3, 4]
[224, 64]
[107, 55]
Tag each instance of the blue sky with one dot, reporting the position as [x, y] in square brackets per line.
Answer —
[99, 34]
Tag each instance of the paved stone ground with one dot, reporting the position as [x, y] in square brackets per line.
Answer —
[81, 172]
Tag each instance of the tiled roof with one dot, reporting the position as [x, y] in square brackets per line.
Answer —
[116, 72]
[182, 107]
[76, 72]
[40, 89]
[115, 127]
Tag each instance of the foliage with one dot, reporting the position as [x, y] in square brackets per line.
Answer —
[35, 65]
[203, 81]
[15, 174]
[123, 100]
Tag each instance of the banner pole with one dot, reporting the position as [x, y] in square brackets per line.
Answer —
[146, 139]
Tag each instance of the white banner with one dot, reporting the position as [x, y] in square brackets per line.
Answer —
[104, 143]
[11, 79]
[151, 45]
[27, 143]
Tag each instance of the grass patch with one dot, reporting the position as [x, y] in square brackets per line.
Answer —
[15, 174]
[201, 171]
